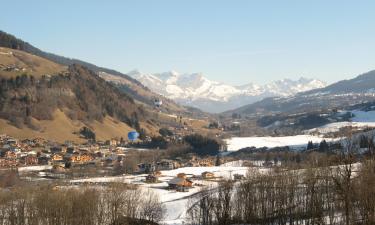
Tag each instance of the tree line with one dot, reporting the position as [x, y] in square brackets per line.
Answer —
[316, 194]
[113, 205]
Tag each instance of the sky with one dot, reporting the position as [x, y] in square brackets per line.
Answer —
[232, 41]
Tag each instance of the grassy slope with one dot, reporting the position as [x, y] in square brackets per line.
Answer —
[31, 64]
[62, 128]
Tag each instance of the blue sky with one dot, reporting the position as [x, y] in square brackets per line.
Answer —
[232, 41]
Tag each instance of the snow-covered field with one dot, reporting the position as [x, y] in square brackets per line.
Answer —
[360, 119]
[34, 168]
[176, 203]
[294, 142]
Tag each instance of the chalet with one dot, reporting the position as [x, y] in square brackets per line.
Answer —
[12, 141]
[28, 142]
[57, 157]
[146, 167]
[64, 148]
[43, 160]
[113, 142]
[31, 159]
[208, 175]
[152, 179]
[238, 177]
[166, 165]
[10, 155]
[8, 163]
[81, 158]
[180, 184]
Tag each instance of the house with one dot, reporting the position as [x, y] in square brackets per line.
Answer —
[146, 167]
[152, 179]
[57, 157]
[31, 159]
[180, 184]
[8, 163]
[81, 158]
[238, 176]
[12, 141]
[208, 175]
[28, 142]
[10, 155]
[43, 160]
[166, 165]
[113, 142]
[206, 162]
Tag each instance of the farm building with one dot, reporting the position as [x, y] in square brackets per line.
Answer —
[180, 184]
[208, 175]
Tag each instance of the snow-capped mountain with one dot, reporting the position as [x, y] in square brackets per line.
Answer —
[212, 96]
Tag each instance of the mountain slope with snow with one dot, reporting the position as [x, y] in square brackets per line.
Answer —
[212, 96]
[340, 95]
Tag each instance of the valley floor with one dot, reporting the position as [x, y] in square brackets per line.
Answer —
[175, 203]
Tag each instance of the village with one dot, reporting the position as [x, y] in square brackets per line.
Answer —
[43, 159]
[96, 165]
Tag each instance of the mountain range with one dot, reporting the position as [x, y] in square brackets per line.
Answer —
[51, 96]
[340, 95]
[126, 83]
[212, 96]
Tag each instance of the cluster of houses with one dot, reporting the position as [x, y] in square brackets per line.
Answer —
[38, 151]
[190, 161]
[10, 68]
[183, 183]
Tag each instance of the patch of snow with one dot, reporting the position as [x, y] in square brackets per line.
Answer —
[294, 142]
[360, 119]
[34, 168]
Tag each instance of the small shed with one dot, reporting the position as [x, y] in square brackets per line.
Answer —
[208, 175]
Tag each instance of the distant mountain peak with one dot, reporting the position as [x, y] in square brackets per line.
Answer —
[196, 90]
